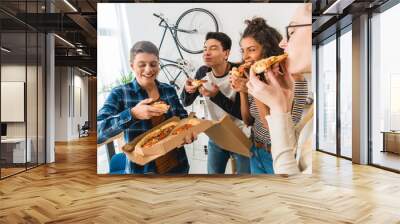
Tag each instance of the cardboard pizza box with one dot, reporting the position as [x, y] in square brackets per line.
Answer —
[224, 133]
[129, 147]
[228, 136]
[174, 141]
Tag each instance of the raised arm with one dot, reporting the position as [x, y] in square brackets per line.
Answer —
[177, 108]
[187, 97]
[245, 109]
[232, 107]
[283, 139]
[113, 118]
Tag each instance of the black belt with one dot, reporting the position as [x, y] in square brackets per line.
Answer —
[262, 145]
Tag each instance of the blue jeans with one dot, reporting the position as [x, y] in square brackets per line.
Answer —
[217, 159]
[150, 168]
[261, 161]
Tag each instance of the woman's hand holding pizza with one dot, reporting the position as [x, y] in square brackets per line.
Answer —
[277, 93]
[238, 83]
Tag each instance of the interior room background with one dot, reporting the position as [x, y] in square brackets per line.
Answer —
[121, 25]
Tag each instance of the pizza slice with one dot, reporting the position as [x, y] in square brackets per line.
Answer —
[161, 105]
[263, 64]
[191, 122]
[240, 72]
[181, 129]
[198, 82]
[157, 135]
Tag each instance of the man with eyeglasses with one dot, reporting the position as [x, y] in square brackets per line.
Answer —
[291, 28]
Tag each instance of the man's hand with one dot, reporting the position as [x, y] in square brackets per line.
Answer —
[143, 111]
[189, 87]
[209, 93]
[189, 138]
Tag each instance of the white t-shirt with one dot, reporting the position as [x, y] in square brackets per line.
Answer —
[214, 112]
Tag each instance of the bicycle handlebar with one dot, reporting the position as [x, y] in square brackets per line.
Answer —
[160, 16]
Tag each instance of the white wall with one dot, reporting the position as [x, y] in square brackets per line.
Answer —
[15, 73]
[33, 127]
[81, 83]
[12, 73]
[138, 23]
[66, 120]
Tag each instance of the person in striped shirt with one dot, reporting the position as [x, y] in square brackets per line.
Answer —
[291, 144]
[258, 41]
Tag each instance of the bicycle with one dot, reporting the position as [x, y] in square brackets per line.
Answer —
[178, 71]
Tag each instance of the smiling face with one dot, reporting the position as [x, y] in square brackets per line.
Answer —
[251, 50]
[214, 54]
[146, 68]
[299, 44]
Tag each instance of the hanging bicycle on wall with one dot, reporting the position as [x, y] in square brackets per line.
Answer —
[188, 34]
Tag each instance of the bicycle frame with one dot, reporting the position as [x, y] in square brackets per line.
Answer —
[172, 78]
[166, 27]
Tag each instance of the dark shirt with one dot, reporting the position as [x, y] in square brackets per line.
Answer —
[229, 106]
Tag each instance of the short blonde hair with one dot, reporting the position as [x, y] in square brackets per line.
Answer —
[143, 47]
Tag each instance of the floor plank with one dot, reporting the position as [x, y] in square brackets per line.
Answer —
[70, 191]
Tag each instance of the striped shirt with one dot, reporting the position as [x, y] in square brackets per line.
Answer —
[299, 100]
[258, 132]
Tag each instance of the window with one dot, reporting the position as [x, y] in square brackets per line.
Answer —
[385, 89]
[346, 94]
[22, 69]
[113, 40]
[327, 96]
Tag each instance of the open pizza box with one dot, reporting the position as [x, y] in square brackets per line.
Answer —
[223, 132]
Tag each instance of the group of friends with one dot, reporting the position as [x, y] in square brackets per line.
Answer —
[274, 110]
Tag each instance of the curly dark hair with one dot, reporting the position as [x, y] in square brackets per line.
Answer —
[267, 36]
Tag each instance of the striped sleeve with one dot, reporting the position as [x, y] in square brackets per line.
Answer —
[299, 100]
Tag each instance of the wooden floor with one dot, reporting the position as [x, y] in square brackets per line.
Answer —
[70, 191]
[388, 159]
[10, 171]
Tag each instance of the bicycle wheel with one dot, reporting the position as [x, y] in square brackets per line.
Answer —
[174, 75]
[201, 20]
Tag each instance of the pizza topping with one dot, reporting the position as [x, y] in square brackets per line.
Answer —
[240, 72]
[161, 105]
[236, 72]
[181, 129]
[263, 64]
[159, 135]
[198, 83]
[171, 128]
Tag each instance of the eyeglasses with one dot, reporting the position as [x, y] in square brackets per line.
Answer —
[291, 26]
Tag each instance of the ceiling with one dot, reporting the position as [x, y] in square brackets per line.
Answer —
[332, 15]
[74, 24]
[76, 21]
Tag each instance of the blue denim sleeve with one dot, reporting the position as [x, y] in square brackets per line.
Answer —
[113, 118]
[176, 104]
